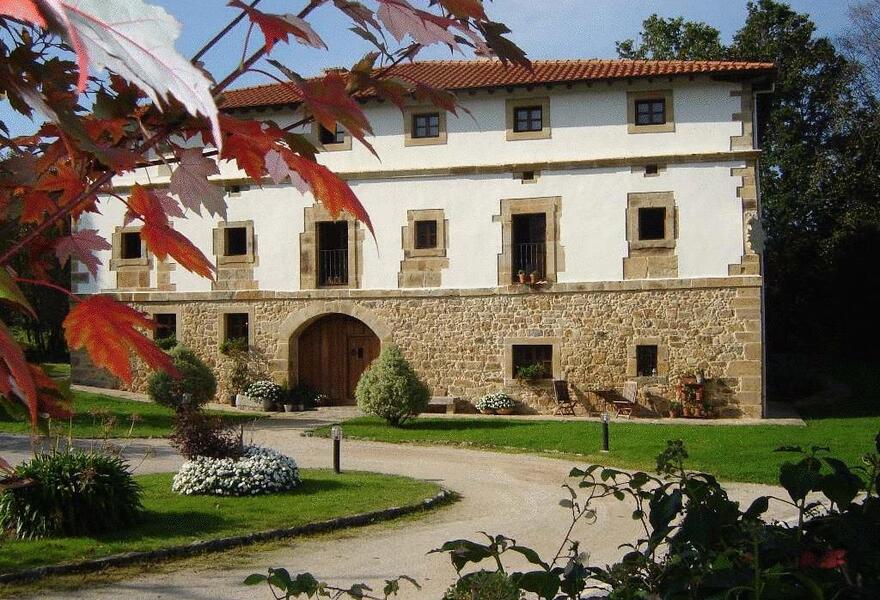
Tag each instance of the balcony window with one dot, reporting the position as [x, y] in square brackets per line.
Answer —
[529, 245]
[332, 253]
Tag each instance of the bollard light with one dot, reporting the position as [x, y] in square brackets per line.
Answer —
[336, 436]
[605, 441]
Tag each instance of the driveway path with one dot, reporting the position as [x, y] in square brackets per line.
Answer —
[514, 494]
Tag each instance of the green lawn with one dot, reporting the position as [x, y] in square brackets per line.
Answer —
[93, 411]
[172, 519]
[733, 452]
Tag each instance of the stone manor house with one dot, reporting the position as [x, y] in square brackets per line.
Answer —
[625, 189]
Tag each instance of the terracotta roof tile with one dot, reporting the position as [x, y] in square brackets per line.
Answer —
[475, 74]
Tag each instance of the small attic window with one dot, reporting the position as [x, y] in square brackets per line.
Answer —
[652, 169]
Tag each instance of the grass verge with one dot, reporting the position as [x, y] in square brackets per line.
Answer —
[733, 452]
[99, 416]
[173, 520]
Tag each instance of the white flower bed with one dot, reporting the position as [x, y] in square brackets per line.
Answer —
[498, 400]
[264, 390]
[258, 471]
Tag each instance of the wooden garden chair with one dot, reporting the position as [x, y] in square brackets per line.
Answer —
[564, 403]
[627, 404]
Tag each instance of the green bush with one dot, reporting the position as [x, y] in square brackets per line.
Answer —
[196, 379]
[390, 389]
[167, 343]
[484, 585]
[71, 493]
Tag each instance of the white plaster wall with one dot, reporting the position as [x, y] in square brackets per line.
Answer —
[593, 224]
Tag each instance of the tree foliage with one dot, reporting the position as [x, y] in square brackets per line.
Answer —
[819, 168]
[56, 56]
[673, 39]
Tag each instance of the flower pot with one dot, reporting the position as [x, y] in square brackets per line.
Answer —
[268, 405]
[504, 411]
[230, 399]
[522, 277]
[533, 278]
[240, 400]
[288, 408]
[487, 411]
[672, 414]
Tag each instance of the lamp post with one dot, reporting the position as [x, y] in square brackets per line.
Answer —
[336, 436]
[605, 441]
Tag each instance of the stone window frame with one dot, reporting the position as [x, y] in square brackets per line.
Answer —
[410, 112]
[219, 237]
[409, 232]
[662, 358]
[167, 310]
[666, 95]
[507, 359]
[116, 260]
[638, 200]
[232, 310]
[511, 104]
[551, 206]
[316, 140]
[308, 248]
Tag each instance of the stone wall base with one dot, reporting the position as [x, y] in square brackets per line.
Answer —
[460, 343]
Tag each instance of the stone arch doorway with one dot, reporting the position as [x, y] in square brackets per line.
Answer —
[332, 353]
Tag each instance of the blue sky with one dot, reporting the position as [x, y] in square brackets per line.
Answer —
[544, 28]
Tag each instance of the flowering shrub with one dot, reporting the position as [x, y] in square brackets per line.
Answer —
[258, 471]
[264, 390]
[494, 401]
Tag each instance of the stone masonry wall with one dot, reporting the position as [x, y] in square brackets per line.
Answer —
[460, 342]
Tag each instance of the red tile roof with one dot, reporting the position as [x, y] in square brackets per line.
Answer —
[475, 74]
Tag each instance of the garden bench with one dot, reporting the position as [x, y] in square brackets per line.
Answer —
[446, 401]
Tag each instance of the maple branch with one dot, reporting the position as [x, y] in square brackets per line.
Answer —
[222, 33]
[48, 284]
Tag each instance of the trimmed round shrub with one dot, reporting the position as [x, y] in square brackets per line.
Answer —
[391, 389]
[196, 379]
[484, 585]
[71, 493]
[257, 471]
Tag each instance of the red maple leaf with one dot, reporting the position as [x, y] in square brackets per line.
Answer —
[16, 379]
[24, 10]
[247, 142]
[159, 236]
[277, 28]
[464, 9]
[402, 19]
[109, 332]
[82, 246]
[328, 100]
[329, 189]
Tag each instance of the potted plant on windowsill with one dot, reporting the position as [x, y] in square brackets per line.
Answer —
[530, 373]
[498, 403]
[675, 409]
[534, 277]
[522, 276]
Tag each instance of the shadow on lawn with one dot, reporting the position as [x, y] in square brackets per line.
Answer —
[428, 424]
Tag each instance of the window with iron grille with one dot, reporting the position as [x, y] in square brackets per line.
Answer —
[131, 245]
[332, 137]
[426, 125]
[526, 355]
[646, 360]
[652, 223]
[236, 326]
[166, 325]
[332, 253]
[528, 118]
[651, 112]
[235, 241]
[426, 234]
[529, 244]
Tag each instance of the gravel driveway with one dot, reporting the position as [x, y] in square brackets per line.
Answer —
[514, 494]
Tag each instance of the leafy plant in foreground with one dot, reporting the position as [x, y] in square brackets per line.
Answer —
[282, 585]
[70, 493]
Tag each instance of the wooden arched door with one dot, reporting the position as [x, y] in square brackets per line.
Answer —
[333, 352]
